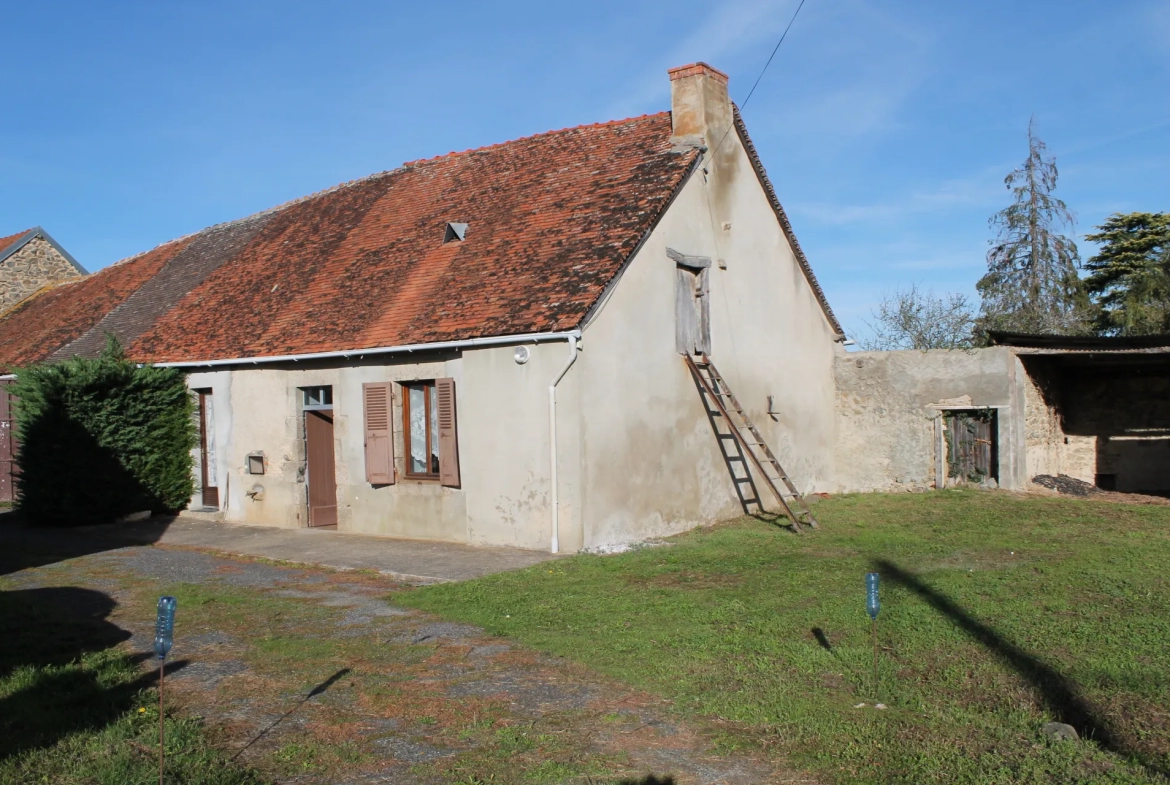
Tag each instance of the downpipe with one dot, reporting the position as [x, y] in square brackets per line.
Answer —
[573, 339]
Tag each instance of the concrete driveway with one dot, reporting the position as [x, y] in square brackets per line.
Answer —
[410, 561]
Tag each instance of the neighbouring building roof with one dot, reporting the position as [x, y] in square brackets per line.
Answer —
[550, 221]
[1071, 343]
[7, 243]
[14, 242]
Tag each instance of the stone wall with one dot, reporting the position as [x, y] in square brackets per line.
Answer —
[35, 265]
[887, 403]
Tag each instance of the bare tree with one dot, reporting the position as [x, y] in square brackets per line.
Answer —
[916, 319]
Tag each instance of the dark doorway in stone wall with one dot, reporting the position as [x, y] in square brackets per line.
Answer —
[1111, 405]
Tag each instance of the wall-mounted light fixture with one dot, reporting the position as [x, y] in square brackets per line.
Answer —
[521, 355]
[255, 462]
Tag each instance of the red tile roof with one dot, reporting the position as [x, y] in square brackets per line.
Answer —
[552, 218]
[44, 322]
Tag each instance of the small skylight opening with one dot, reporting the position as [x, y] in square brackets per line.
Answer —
[455, 232]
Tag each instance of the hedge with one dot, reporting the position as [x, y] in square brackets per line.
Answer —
[102, 438]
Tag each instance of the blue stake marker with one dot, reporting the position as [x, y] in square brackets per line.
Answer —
[872, 606]
[872, 603]
[164, 634]
[164, 627]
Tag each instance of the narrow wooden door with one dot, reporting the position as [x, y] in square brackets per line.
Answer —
[692, 311]
[7, 445]
[322, 479]
[207, 459]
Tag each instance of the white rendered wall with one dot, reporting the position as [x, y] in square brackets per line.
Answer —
[652, 464]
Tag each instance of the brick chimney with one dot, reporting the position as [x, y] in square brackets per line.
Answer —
[700, 110]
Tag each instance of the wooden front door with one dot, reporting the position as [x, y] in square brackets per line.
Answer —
[7, 445]
[208, 473]
[322, 479]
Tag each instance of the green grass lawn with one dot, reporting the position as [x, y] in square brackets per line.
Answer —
[999, 613]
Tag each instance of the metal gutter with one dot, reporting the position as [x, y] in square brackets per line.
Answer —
[467, 343]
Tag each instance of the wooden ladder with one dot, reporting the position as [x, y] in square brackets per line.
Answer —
[716, 397]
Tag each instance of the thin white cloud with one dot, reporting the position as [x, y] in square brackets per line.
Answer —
[981, 190]
[727, 31]
[869, 61]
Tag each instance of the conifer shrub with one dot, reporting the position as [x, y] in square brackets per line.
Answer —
[101, 438]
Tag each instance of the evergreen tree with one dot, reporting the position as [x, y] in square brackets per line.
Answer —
[101, 438]
[1031, 285]
[1130, 277]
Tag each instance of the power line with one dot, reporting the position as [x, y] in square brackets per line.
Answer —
[762, 72]
[774, 51]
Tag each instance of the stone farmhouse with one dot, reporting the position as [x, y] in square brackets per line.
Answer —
[29, 261]
[516, 345]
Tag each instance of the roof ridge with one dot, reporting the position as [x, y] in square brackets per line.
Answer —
[370, 177]
[223, 225]
[484, 148]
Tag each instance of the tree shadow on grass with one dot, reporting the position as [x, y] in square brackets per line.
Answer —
[1059, 693]
[318, 690]
[44, 634]
[25, 546]
[70, 490]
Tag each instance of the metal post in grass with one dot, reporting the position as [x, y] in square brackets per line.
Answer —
[872, 606]
[164, 632]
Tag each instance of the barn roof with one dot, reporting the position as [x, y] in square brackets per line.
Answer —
[514, 239]
[550, 220]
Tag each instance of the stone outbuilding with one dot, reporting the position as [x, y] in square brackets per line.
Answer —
[31, 260]
[1093, 409]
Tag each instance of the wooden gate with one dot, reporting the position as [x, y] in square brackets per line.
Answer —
[7, 445]
[971, 444]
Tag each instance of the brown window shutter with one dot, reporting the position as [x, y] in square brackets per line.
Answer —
[379, 435]
[448, 437]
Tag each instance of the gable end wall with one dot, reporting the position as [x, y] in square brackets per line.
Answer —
[34, 266]
[650, 463]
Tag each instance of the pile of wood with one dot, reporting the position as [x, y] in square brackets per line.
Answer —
[1062, 483]
[1071, 486]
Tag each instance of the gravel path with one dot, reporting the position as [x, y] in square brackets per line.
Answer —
[313, 676]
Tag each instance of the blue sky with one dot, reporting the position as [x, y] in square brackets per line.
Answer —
[887, 126]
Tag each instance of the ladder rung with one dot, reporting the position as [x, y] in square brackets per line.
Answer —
[757, 449]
